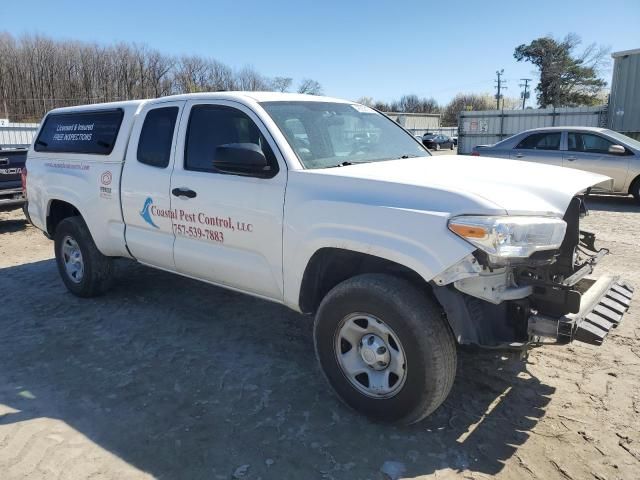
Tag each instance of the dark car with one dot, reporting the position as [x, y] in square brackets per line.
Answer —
[11, 165]
[435, 141]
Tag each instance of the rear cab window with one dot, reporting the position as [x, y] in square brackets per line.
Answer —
[154, 146]
[90, 132]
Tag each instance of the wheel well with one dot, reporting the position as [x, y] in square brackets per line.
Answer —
[633, 183]
[330, 266]
[58, 211]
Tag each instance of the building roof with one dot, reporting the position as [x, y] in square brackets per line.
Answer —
[624, 53]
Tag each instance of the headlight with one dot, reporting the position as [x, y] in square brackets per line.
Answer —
[510, 237]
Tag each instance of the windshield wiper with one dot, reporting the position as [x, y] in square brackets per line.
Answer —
[405, 156]
[346, 163]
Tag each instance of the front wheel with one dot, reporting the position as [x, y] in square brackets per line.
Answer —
[385, 348]
[84, 270]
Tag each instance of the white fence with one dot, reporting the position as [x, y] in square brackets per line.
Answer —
[17, 135]
[490, 126]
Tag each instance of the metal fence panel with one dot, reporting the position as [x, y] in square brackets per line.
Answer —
[17, 135]
[490, 126]
[449, 131]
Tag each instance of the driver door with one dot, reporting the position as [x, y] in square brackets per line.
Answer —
[228, 227]
[590, 152]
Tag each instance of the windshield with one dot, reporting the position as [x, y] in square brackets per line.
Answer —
[628, 141]
[327, 134]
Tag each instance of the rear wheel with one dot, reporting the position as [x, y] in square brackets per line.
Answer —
[84, 270]
[385, 348]
[635, 189]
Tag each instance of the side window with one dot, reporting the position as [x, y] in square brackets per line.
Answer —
[156, 136]
[93, 132]
[541, 141]
[589, 143]
[213, 125]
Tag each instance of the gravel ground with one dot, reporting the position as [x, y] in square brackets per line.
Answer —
[169, 378]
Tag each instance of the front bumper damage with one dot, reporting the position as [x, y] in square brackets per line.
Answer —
[566, 304]
[549, 298]
[602, 307]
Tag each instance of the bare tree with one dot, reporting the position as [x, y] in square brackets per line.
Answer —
[38, 73]
[282, 84]
[465, 101]
[310, 87]
[249, 79]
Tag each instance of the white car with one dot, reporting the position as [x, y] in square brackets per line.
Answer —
[330, 208]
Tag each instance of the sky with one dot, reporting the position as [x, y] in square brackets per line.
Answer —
[379, 49]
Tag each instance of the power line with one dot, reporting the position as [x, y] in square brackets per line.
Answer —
[499, 86]
[525, 92]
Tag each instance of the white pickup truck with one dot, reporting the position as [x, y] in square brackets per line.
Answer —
[330, 208]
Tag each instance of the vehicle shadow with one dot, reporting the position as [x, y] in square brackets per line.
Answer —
[612, 203]
[184, 380]
[13, 225]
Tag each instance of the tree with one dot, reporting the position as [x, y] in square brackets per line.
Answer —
[248, 79]
[567, 78]
[368, 101]
[282, 84]
[38, 73]
[310, 87]
[414, 104]
[382, 106]
[465, 102]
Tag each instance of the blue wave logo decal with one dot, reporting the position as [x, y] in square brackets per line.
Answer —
[145, 213]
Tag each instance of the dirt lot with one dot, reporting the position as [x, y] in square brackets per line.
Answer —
[170, 378]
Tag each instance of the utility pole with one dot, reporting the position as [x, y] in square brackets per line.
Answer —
[525, 92]
[500, 86]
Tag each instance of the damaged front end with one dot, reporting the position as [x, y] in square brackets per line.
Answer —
[547, 297]
[565, 305]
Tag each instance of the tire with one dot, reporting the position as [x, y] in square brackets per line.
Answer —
[451, 146]
[76, 252]
[417, 330]
[25, 211]
[635, 189]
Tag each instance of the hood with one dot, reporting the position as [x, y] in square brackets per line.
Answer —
[519, 188]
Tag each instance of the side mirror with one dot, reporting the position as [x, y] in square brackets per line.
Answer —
[617, 150]
[241, 159]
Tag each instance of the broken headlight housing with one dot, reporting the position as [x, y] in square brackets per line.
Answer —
[510, 237]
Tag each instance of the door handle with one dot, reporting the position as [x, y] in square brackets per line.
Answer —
[571, 159]
[184, 192]
[519, 155]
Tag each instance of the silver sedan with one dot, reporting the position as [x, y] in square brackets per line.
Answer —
[597, 150]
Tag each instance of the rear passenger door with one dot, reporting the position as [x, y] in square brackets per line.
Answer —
[590, 152]
[146, 200]
[541, 147]
[228, 227]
